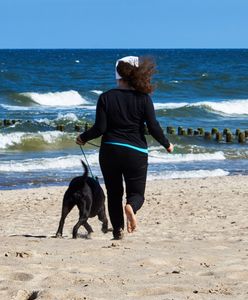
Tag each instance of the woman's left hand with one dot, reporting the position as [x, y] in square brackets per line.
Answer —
[171, 148]
[79, 141]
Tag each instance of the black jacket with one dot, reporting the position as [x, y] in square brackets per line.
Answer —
[120, 117]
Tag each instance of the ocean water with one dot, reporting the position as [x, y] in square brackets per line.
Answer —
[41, 89]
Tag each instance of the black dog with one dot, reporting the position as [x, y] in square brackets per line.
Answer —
[87, 194]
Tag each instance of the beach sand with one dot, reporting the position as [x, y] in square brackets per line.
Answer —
[191, 243]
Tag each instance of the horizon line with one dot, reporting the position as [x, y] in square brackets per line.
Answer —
[107, 48]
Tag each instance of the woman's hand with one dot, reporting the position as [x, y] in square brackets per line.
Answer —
[171, 148]
[79, 141]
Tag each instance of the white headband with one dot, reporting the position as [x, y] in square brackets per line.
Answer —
[132, 60]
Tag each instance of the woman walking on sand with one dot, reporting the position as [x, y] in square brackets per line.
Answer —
[120, 117]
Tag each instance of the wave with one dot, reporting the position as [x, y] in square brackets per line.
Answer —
[48, 164]
[230, 107]
[188, 174]
[29, 140]
[42, 108]
[97, 92]
[41, 140]
[56, 140]
[68, 98]
[16, 108]
[67, 117]
[175, 81]
[63, 100]
[156, 157]
[71, 163]
[70, 117]
[172, 105]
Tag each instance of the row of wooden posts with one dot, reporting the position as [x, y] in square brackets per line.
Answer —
[219, 136]
[215, 134]
[8, 122]
[61, 127]
[226, 134]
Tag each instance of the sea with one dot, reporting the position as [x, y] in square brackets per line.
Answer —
[46, 96]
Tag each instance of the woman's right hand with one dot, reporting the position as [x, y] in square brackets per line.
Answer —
[79, 141]
[171, 148]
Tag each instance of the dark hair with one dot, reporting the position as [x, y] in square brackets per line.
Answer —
[138, 77]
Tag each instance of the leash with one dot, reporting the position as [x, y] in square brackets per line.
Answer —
[87, 162]
[93, 145]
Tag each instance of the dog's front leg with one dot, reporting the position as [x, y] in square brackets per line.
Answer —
[60, 229]
[102, 217]
[66, 208]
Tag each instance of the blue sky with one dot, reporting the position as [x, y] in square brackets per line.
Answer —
[123, 24]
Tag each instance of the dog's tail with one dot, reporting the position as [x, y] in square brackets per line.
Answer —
[86, 172]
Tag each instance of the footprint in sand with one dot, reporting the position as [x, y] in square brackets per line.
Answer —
[22, 276]
[25, 295]
[209, 273]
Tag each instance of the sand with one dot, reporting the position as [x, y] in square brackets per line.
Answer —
[191, 243]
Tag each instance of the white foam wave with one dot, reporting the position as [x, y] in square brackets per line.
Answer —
[69, 117]
[14, 107]
[58, 163]
[230, 107]
[42, 108]
[98, 92]
[90, 107]
[10, 139]
[17, 138]
[170, 105]
[45, 120]
[188, 174]
[61, 117]
[72, 162]
[50, 136]
[175, 81]
[156, 157]
[29, 165]
[68, 98]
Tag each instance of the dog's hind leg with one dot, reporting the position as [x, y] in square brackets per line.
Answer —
[80, 222]
[102, 217]
[89, 229]
[66, 208]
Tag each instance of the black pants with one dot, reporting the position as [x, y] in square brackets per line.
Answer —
[118, 162]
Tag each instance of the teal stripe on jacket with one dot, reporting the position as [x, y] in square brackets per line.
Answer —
[143, 150]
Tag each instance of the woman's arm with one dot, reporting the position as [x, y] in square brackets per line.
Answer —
[98, 128]
[154, 127]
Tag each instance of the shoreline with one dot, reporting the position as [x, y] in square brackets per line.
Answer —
[150, 179]
[191, 243]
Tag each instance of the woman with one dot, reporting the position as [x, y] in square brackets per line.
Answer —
[120, 117]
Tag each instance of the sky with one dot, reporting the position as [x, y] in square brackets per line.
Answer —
[123, 24]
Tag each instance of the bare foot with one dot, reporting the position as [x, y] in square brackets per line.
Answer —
[131, 218]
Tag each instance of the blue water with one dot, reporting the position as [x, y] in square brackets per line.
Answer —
[41, 89]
